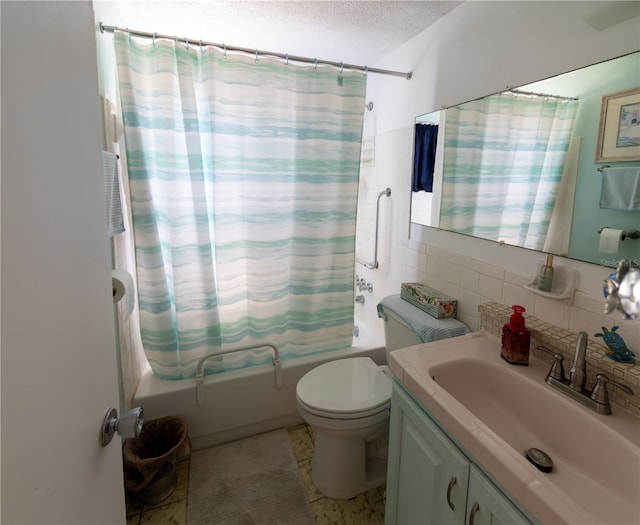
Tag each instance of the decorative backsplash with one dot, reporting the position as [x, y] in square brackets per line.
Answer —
[494, 315]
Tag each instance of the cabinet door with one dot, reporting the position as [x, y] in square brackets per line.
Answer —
[487, 505]
[427, 476]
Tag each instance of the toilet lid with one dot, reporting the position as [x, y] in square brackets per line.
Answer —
[346, 386]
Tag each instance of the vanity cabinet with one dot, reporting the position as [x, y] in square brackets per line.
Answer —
[431, 480]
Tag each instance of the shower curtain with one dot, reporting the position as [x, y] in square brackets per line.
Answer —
[504, 157]
[243, 177]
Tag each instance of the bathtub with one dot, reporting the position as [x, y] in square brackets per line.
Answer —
[242, 403]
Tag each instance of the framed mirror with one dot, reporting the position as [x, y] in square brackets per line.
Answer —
[524, 167]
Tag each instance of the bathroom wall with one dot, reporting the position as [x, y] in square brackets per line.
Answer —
[132, 361]
[479, 48]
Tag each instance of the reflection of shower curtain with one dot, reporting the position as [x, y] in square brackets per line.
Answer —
[504, 157]
[559, 234]
[243, 181]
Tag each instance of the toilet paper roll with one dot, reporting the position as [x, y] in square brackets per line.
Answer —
[610, 240]
[122, 285]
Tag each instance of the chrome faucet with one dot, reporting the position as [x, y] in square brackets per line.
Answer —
[363, 284]
[578, 370]
[574, 387]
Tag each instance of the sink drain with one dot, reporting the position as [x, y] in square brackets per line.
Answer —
[540, 459]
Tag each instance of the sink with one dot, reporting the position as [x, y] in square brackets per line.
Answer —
[498, 411]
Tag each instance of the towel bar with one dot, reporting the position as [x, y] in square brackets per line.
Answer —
[277, 366]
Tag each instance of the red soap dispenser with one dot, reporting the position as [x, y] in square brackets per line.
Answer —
[515, 339]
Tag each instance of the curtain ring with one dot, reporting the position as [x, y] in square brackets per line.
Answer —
[286, 62]
[256, 55]
[341, 67]
[154, 39]
[129, 33]
[201, 50]
[366, 70]
[224, 48]
[186, 41]
[315, 63]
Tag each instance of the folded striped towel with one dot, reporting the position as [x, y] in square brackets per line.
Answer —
[427, 327]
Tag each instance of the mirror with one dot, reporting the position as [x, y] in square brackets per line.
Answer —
[565, 214]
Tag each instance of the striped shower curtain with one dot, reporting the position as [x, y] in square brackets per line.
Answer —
[503, 162]
[243, 177]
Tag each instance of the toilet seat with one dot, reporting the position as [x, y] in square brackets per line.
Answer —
[345, 389]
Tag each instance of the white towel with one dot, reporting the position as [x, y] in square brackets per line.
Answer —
[115, 221]
[620, 188]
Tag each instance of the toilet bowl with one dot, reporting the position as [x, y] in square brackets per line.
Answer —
[347, 402]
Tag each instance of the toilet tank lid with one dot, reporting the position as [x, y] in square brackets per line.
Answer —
[427, 327]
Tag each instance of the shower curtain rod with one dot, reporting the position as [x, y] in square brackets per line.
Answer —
[257, 52]
[543, 95]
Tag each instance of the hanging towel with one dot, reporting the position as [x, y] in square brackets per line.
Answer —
[620, 188]
[427, 327]
[115, 222]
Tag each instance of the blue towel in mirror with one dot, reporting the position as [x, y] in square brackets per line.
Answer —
[424, 156]
[620, 188]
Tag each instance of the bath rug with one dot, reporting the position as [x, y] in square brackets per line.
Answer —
[250, 481]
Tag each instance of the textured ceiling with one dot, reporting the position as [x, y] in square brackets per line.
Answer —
[359, 32]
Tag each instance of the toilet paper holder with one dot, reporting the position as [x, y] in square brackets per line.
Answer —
[633, 234]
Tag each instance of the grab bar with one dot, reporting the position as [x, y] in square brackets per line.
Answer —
[374, 264]
[200, 367]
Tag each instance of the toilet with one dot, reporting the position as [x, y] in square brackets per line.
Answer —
[347, 402]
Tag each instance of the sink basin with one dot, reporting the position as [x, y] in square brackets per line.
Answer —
[498, 411]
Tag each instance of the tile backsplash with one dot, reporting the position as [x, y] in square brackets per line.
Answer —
[494, 315]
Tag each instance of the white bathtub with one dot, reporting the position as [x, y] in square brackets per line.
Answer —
[245, 402]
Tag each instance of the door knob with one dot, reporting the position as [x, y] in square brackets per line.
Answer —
[128, 425]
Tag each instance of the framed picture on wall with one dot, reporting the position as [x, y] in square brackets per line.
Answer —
[619, 129]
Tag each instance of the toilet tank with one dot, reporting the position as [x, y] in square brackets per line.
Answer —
[405, 325]
[397, 333]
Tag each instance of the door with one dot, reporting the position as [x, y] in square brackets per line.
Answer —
[488, 506]
[59, 370]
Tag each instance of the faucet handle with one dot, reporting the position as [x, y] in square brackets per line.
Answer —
[600, 394]
[557, 369]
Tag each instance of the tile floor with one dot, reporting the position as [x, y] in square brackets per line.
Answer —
[364, 509]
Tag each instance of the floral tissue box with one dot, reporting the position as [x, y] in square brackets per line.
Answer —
[429, 300]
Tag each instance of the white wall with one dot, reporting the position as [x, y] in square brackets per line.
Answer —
[131, 353]
[477, 49]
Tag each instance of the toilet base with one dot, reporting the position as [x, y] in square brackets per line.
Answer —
[341, 468]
